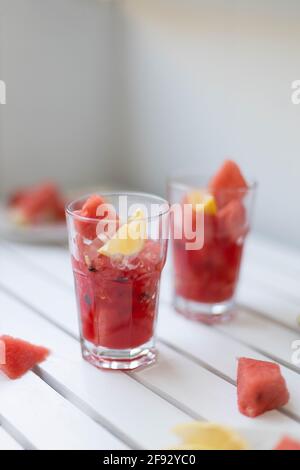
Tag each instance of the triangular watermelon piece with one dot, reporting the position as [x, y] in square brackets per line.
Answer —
[19, 356]
[288, 443]
[228, 183]
[261, 387]
[90, 207]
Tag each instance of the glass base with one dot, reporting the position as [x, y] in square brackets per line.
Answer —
[119, 359]
[206, 313]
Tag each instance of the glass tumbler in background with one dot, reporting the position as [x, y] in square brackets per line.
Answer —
[206, 278]
[117, 275]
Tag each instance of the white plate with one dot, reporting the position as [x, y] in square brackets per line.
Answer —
[44, 233]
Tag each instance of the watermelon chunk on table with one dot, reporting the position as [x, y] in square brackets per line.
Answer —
[19, 356]
[228, 183]
[260, 387]
[287, 443]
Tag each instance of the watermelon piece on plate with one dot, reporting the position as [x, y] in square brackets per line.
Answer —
[260, 387]
[287, 443]
[16, 197]
[36, 205]
[232, 220]
[228, 183]
[19, 356]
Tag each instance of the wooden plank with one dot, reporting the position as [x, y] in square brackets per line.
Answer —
[207, 394]
[270, 303]
[54, 260]
[47, 296]
[216, 351]
[7, 442]
[276, 255]
[277, 280]
[57, 303]
[259, 333]
[47, 419]
[175, 377]
[256, 325]
[113, 398]
[268, 283]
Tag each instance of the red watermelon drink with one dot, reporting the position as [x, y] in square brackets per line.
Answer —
[207, 251]
[117, 263]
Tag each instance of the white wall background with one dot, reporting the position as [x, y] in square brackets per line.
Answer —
[131, 90]
[205, 79]
[56, 60]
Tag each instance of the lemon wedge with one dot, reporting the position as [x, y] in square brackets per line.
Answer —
[208, 436]
[129, 239]
[201, 200]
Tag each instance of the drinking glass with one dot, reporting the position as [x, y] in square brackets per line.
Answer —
[207, 248]
[117, 293]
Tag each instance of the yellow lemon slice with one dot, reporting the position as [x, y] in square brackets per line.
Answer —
[129, 239]
[209, 436]
[201, 200]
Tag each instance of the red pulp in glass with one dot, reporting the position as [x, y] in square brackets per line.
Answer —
[210, 274]
[118, 298]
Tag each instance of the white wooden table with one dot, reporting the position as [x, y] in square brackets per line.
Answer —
[68, 404]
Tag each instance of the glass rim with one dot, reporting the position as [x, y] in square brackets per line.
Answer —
[159, 199]
[176, 181]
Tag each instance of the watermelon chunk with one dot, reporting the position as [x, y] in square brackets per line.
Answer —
[16, 197]
[39, 204]
[228, 183]
[87, 229]
[90, 207]
[288, 444]
[19, 356]
[231, 220]
[260, 387]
